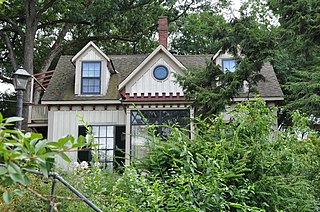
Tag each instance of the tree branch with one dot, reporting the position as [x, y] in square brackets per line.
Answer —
[45, 7]
[14, 25]
[5, 79]
[100, 37]
[12, 54]
[56, 48]
[45, 24]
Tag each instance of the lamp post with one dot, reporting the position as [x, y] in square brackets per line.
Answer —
[20, 81]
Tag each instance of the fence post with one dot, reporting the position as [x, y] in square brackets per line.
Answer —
[53, 187]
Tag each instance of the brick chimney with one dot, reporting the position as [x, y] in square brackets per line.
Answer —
[163, 30]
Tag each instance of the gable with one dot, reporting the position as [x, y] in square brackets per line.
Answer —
[91, 55]
[145, 81]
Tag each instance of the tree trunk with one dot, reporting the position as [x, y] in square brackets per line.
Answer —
[29, 44]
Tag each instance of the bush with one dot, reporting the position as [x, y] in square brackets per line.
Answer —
[243, 165]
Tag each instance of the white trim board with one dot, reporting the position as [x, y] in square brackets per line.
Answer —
[81, 102]
[86, 47]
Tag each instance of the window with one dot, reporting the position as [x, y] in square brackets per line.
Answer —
[140, 120]
[160, 72]
[91, 78]
[104, 137]
[229, 65]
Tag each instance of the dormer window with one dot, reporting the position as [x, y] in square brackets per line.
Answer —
[229, 65]
[91, 77]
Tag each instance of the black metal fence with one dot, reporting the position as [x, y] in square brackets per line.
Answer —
[55, 176]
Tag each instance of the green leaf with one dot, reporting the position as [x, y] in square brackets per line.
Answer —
[18, 192]
[13, 119]
[7, 197]
[62, 141]
[65, 156]
[40, 145]
[3, 170]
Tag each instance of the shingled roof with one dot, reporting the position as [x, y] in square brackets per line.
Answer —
[61, 87]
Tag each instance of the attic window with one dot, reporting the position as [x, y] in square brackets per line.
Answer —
[229, 65]
[160, 72]
[91, 78]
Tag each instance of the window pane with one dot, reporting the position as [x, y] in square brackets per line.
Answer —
[229, 65]
[110, 131]
[91, 86]
[110, 143]
[91, 72]
[102, 143]
[103, 131]
[110, 155]
[95, 131]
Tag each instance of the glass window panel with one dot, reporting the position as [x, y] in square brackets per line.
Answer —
[85, 66]
[91, 66]
[110, 155]
[229, 65]
[102, 143]
[110, 143]
[110, 131]
[103, 131]
[102, 155]
[95, 131]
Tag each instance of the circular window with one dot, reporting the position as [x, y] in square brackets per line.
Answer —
[160, 72]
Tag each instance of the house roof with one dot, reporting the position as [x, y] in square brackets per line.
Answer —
[61, 87]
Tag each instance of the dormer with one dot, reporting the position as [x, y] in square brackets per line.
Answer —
[93, 71]
[228, 62]
[225, 60]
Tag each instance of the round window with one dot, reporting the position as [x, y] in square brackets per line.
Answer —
[160, 72]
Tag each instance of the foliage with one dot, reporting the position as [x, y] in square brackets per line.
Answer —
[304, 89]
[20, 150]
[199, 33]
[210, 88]
[7, 104]
[242, 165]
[249, 41]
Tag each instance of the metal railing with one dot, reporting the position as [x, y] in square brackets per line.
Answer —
[55, 176]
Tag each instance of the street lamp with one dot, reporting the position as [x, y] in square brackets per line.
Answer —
[20, 81]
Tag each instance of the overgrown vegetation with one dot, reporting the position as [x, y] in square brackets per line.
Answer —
[19, 150]
[243, 165]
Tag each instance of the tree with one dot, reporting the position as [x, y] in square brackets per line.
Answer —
[249, 41]
[297, 56]
[36, 32]
[199, 33]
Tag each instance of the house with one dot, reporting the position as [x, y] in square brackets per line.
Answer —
[109, 90]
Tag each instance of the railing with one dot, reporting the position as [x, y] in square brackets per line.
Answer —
[38, 113]
[56, 177]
